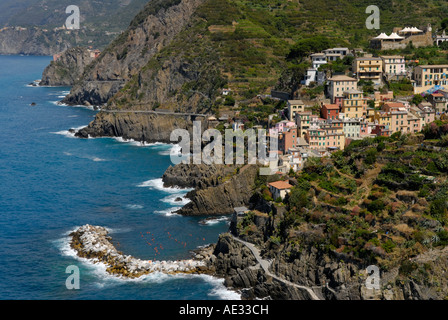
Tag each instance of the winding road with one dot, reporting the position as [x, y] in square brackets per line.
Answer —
[265, 264]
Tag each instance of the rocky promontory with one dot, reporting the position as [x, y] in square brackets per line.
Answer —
[143, 127]
[94, 243]
[68, 68]
[233, 190]
[198, 176]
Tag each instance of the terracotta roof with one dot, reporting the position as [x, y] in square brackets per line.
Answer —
[342, 78]
[331, 106]
[280, 185]
[437, 95]
[395, 105]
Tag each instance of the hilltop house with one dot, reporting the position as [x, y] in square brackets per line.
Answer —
[279, 189]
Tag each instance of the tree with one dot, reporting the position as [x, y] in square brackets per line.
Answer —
[298, 198]
[444, 45]
[444, 24]
[417, 99]
[305, 47]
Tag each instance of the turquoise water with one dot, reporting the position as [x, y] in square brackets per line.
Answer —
[52, 183]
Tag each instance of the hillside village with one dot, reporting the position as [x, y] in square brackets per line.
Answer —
[357, 104]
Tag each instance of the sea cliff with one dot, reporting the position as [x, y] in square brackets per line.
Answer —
[67, 70]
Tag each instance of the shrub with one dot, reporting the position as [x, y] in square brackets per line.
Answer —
[407, 267]
[388, 246]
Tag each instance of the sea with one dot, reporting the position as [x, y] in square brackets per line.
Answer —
[52, 183]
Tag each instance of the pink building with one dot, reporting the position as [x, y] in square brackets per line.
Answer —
[281, 127]
[316, 138]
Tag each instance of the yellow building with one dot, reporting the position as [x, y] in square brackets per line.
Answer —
[368, 68]
[295, 106]
[303, 122]
[429, 77]
[382, 118]
[354, 105]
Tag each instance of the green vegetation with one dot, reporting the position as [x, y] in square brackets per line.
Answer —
[252, 47]
[382, 200]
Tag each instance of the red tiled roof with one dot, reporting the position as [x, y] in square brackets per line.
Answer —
[395, 105]
[331, 106]
[280, 185]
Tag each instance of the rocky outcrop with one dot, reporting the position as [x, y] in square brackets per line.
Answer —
[195, 176]
[67, 69]
[143, 127]
[330, 275]
[152, 29]
[235, 191]
[93, 243]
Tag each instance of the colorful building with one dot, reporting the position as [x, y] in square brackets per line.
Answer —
[294, 106]
[337, 85]
[394, 65]
[430, 78]
[330, 111]
[368, 69]
[315, 136]
[354, 105]
[287, 139]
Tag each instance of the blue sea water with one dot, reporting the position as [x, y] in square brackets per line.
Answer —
[51, 183]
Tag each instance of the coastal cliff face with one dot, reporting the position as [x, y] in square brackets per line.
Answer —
[67, 69]
[153, 28]
[199, 176]
[327, 274]
[34, 41]
[233, 191]
[144, 127]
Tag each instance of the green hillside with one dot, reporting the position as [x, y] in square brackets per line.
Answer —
[249, 44]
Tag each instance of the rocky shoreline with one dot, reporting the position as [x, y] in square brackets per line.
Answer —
[94, 243]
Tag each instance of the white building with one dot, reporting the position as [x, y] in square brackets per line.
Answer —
[393, 65]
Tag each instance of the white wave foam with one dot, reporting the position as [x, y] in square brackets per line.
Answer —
[139, 143]
[134, 206]
[96, 159]
[172, 200]
[34, 84]
[118, 230]
[169, 212]
[175, 150]
[214, 221]
[69, 154]
[157, 184]
[61, 104]
[68, 133]
[219, 290]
